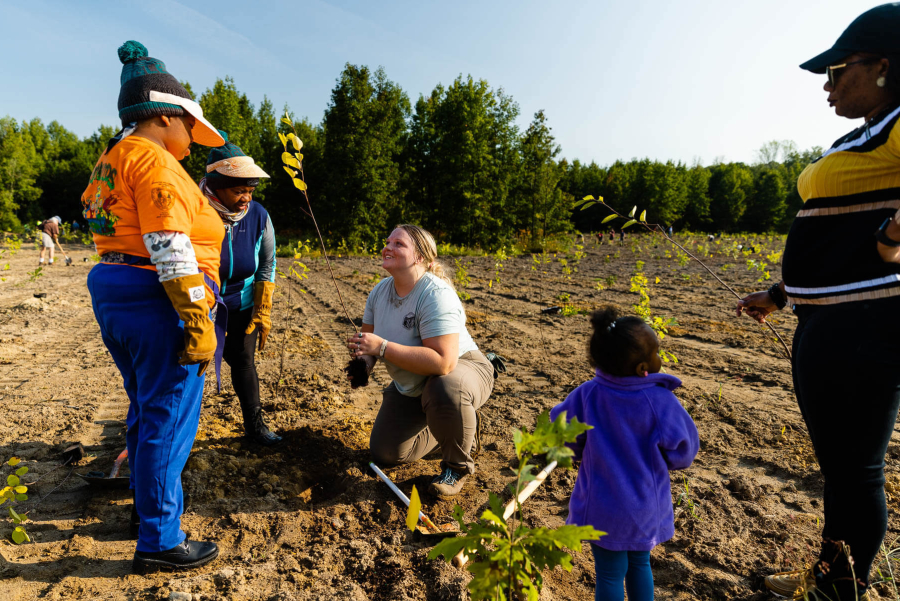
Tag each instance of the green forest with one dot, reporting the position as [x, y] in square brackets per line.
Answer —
[454, 162]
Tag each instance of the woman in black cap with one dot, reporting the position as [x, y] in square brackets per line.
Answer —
[846, 295]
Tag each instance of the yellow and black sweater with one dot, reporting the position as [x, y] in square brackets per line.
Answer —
[831, 255]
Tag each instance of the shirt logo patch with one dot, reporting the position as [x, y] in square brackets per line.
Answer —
[163, 195]
[409, 321]
[197, 293]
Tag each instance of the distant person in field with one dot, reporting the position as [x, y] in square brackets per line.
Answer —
[640, 433]
[154, 294]
[415, 323]
[49, 237]
[621, 235]
[841, 271]
[247, 272]
[600, 238]
[671, 231]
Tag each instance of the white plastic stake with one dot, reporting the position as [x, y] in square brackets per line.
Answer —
[460, 560]
[402, 496]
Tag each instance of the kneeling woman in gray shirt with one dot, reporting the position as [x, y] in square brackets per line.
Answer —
[415, 323]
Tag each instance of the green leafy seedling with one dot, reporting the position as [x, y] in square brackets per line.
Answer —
[509, 556]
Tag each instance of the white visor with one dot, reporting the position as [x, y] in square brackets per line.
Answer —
[204, 133]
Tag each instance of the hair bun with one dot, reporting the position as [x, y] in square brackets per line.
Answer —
[131, 51]
[602, 319]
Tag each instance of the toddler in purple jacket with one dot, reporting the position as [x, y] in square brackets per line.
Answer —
[640, 432]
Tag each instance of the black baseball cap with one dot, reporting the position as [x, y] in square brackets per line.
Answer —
[876, 31]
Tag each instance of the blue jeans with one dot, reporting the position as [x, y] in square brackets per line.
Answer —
[613, 567]
[144, 335]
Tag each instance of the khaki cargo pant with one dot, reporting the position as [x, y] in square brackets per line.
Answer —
[408, 428]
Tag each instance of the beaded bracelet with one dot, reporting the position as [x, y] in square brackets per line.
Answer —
[777, 296]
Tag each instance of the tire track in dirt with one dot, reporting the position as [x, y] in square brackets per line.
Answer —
[52, 352]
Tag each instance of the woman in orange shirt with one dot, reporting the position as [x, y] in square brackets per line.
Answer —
[154, 293]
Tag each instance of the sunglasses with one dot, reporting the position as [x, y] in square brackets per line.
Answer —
[830, 71]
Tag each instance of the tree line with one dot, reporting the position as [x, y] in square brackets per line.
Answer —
[454, 162]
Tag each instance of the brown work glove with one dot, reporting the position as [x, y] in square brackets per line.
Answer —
[188, 296]
[262, 311]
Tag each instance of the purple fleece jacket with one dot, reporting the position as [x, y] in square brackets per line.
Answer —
[640, 432]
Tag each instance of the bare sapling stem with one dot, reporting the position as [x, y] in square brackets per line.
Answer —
[655, 227]
[284, 337]
[325, 254]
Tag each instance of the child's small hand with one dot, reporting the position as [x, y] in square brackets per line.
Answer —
[757, 305]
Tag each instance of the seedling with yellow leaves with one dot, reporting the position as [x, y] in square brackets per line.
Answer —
[15, 492]
[293, 166]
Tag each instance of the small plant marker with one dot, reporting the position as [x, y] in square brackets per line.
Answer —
[428, 523]
[415, 507]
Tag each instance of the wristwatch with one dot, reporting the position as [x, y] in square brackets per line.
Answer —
[881, 235]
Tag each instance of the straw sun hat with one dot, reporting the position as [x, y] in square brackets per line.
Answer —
[228, 167]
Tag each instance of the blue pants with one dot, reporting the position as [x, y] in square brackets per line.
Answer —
[144, 336]
[615, 566]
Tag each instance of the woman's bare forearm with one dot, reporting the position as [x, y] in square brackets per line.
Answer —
[418, 359]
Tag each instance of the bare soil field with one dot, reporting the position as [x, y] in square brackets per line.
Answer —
[309, 520]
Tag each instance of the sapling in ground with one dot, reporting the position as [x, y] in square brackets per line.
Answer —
[15, 492]
[462, 280]
[660, 325]
[685, 500]
[499, 257]
[508, 556]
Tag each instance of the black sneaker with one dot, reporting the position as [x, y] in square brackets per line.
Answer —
[188, 555]
[448, 484]
[265, 437]
[258, 432]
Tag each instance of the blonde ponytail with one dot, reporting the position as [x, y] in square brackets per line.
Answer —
[427, 249]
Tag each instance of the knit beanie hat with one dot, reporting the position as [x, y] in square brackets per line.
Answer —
[228, 167]
[148, 90]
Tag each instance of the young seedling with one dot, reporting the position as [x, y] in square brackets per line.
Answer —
[15, 492]
[509, 556]
[461, 277]
[659, 325]
[293, 166]
[499, 257]
[684, 497]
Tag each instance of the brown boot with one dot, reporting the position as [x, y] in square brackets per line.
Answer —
[787, 584]
[832, 577]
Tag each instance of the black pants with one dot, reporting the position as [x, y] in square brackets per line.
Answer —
[847, 380]
[240, 354]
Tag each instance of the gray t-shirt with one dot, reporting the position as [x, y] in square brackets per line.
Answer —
[430, 309]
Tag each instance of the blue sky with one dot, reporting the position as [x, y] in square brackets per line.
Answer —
[686, 80]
